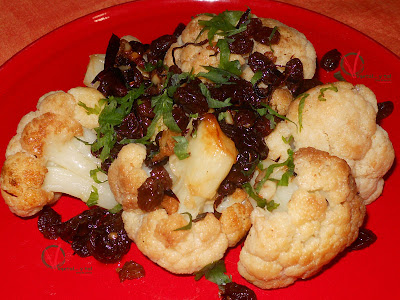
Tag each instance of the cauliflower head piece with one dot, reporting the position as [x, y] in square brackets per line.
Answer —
[319, 215]
[341, 119]
[171, 238]
[191, 54]
[44, 159]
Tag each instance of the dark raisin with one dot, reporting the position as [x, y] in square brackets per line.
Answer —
[254, 26]
[160, 173]
[144, 108]
[48, 223]
[263, 126]
[130, 128]
[263, 36]
[112, 82]
[108, 241]
[245, 118]
[77, 229]
[331, 59]
[130, 270]
[181, 119]
[235, 291]
[385, 109]
[112, 51]
[365, 239]
[190, 98]
[150, 194]
[133, 77]
[158, 48]
[138, 47]
[294, 75]
[260, 62]
[178, 30]
[241, 44]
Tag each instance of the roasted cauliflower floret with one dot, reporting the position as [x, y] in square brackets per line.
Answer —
[195, 183]
[127, 173]
[341, 119]
[45, 151]
[181, 251]
[321, 219]
[191, 54]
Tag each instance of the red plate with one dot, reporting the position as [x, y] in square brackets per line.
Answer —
[58, 62]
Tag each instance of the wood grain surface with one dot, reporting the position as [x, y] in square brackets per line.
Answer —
[24, 21]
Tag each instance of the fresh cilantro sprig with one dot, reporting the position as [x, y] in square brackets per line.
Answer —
[116, 209]
[93, 174]
[96, 110]
[181, 147]
[214, 272]
[188, 226]
[261, 202]
[112, 115]
[284, 181]
[270, 113]
[212, 103]
[93, 197]
[323, 90]
[301, 107]
[224, 59]
[223, 24]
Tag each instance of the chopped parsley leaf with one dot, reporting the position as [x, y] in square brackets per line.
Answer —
[189, 225]
[93, 175]
[212, 103]
[116, 209]
[301, 107]
[181, 147]
[214, 272]
[93, 197]
[323, 90]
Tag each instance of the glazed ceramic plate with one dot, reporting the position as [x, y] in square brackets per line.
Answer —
[35, 267]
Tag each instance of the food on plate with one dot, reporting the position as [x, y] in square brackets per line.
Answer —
[44, 159]
[349, 131]
[208, 134]
[319, 215]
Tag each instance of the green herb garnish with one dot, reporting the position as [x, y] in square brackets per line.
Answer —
[212, 103]
[269, 113]
[93, 175]
[214, 272]
[256, 77]
[284, 181]
[261, 202]
[181, 147]
[323, 90]
[224, 61]
[189, 225]
[93, 197]
[112, 115]
[116, 209]
[216, 75]
[96, 110]
[301, 106]
[223, 24]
